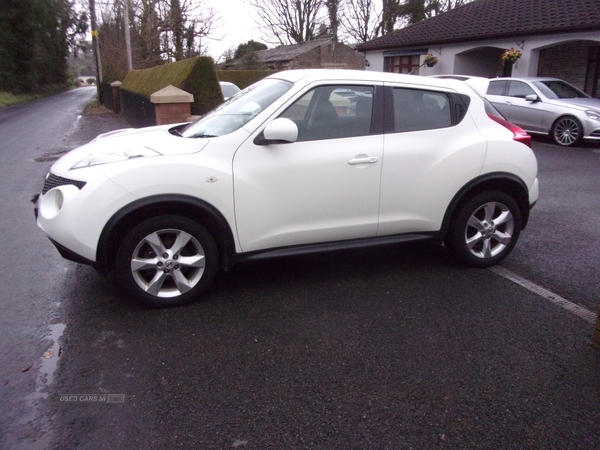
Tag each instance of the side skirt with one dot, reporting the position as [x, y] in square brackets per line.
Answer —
[335, 246]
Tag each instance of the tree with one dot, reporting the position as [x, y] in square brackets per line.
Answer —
[364, 20]
[414, 10]
[177, 27]
[361, 19]
[250, 46]
[161, 31]
[288, 21]
[35, 38]
[333, 13]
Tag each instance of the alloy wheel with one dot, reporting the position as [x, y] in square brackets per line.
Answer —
[489, 230]
[567, 131]
[168, 263]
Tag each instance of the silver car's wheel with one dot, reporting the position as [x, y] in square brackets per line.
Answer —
[485, 229]
[567, 131]
[166, 261]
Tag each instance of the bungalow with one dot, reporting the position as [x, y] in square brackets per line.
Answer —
[558, 38]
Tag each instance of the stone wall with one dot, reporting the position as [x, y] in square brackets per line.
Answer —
[326, 56]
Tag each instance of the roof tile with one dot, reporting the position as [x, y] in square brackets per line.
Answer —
[487, 19]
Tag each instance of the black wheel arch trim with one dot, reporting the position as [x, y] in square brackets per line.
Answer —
[187, 206]
[497, 181]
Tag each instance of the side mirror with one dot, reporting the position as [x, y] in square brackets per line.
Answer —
[532, 98]
[279, 131]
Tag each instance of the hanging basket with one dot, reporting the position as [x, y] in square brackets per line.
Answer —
[430, 60]
[511, 56]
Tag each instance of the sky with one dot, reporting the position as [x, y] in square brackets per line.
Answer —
[237, 26]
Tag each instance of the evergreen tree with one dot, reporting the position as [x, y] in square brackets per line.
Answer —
[249, 47]
[34, 42]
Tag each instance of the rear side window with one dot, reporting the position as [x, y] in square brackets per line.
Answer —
[416, 109]
[497, 88]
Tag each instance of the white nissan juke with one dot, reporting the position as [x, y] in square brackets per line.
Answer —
[302, 161]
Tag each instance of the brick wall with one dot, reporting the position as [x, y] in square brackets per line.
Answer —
[167, 113]
[568, 62]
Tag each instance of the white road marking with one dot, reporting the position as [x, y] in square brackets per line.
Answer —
[584, 313]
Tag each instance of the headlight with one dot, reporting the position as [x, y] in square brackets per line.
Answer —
[122, 155]
[593, 114]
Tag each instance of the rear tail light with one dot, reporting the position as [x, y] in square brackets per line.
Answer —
[519, 134]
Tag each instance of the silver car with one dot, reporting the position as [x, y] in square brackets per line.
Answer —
[547, 106]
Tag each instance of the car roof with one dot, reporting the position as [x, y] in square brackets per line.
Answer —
[527, 79]
[309, 75]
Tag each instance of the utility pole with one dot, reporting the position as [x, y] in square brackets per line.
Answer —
[96, 46]
[127, 37]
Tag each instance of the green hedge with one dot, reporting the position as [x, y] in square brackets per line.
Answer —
[243, 78]
[195, 75]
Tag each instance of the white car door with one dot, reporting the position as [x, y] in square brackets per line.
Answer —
[428, 158]
[323, 187]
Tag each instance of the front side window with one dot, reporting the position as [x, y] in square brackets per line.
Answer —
[416, 109]
[519, 89]
[332, 112]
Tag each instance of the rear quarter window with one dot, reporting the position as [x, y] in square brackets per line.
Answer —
[497, 88]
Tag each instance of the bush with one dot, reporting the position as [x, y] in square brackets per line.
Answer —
[195, 75]
[243, 78]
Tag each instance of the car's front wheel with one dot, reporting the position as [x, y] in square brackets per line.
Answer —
[485, 229]
[166, 261]
[567, 131]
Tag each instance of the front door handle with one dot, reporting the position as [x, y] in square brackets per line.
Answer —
[366, 160]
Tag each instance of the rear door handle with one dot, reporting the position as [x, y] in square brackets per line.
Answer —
[367, 160]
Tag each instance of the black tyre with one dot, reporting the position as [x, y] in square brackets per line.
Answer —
[567, 131]
[166, 261]
[485, 229]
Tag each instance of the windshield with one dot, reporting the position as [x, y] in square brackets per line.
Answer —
[555, 89]
[238, 110]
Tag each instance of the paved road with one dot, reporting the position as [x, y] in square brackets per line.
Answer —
[32, 278]
[393, 348]
[560, 248]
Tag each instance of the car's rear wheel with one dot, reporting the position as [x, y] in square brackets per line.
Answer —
[166, 261]
[485, 229]
[567, 131]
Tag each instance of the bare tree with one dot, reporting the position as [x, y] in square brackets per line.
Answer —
[361, 19]
[364, 20]
[185, 23]
[288, 21]
[163, 30]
